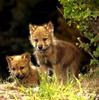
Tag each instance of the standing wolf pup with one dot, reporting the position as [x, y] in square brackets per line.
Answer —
[22, 69]
[53, 53]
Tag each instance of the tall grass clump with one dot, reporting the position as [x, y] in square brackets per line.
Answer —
[72, 90]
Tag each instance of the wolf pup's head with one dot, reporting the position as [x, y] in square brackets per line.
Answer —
[19, 65]
[41, 37]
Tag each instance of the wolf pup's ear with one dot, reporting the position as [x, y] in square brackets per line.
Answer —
[32, 28]
[27, 56]
[9, 59]
[50, 27]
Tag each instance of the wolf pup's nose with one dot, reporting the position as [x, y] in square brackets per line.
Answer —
[17, 76]
[40, 47]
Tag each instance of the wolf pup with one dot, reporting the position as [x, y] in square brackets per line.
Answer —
[53, 53]
[22, 69]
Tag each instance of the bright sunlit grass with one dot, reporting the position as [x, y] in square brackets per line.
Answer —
[83, 89]
[72, 90]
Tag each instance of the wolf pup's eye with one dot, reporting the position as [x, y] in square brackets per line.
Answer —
[21, 67]
[44, 39]
[36, 40]
[13, 68]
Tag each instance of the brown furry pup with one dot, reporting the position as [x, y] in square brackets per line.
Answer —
[53, 53]
[22, 69]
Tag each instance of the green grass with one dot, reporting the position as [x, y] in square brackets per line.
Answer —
[72, 90]
[83, 89]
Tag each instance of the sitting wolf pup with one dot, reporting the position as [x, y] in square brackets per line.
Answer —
[22, 69]
[53, 53]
